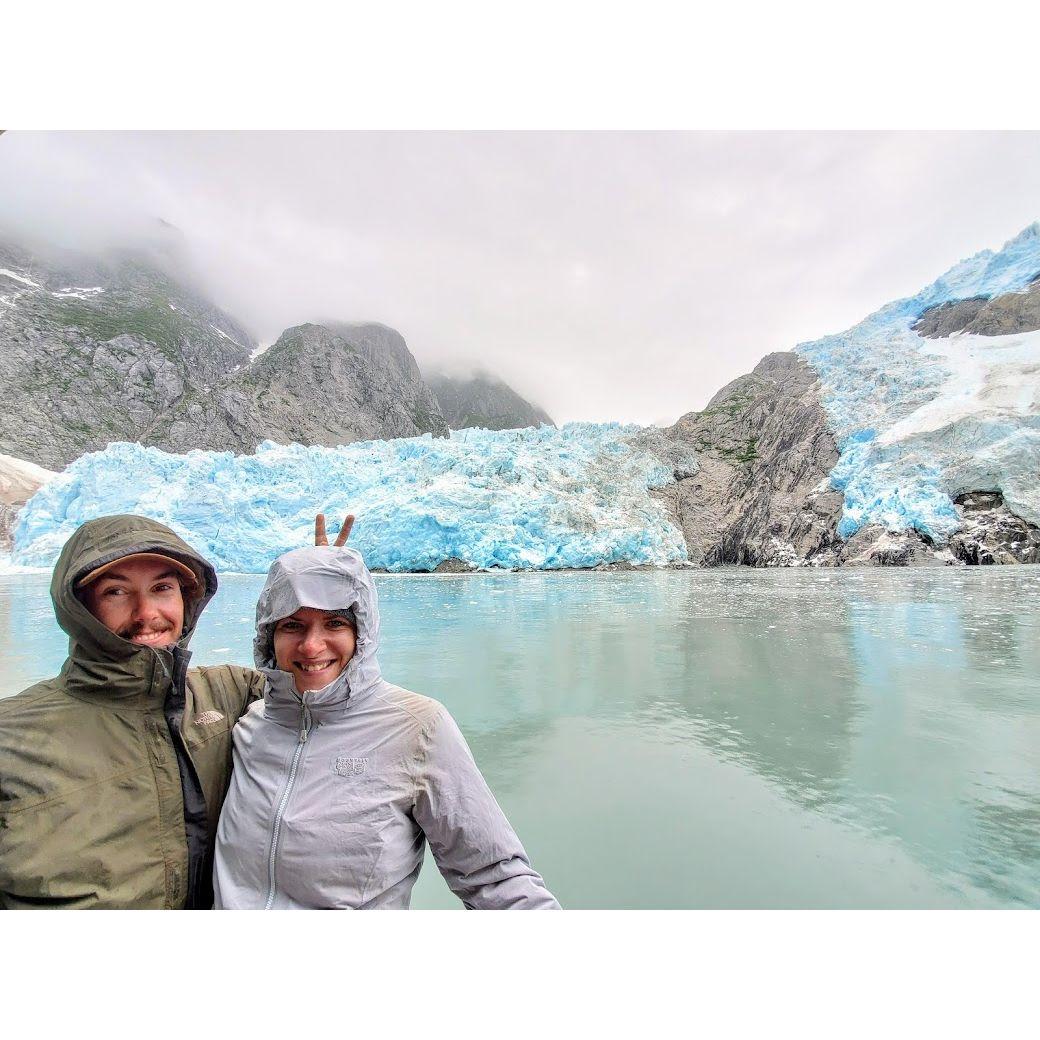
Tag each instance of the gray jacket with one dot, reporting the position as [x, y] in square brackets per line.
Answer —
[334, 795]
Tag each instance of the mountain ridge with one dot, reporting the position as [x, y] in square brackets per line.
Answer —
[116, 348]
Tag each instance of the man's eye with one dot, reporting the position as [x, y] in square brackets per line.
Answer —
[114, 591]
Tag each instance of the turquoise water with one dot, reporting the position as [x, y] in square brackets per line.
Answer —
[725, 738]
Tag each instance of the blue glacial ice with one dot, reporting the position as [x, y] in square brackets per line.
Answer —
[918, 421]
[528, 499]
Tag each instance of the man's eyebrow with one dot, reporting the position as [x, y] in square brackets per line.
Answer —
[113, 576]
[122, 577]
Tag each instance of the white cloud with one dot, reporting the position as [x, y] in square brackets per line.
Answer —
[607, 276]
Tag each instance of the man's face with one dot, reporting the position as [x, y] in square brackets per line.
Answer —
[139, 600]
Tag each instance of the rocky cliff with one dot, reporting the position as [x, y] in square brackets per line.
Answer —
[485, 401]
[760, 493]
[318, 384]
[94, 351]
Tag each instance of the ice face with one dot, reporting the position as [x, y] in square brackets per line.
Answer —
[529, 499]
[918, 421]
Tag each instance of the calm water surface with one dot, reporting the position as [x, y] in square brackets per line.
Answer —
[727, 738]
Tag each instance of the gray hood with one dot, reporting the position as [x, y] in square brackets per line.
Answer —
[324, 578]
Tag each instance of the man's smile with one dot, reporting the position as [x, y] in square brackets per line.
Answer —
[151, 637]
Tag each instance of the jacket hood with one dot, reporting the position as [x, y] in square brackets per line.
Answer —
[97, 656]
[323, 578]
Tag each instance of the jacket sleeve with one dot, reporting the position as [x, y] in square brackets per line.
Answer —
[476, 850]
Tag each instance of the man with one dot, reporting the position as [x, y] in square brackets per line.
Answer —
[113, 773]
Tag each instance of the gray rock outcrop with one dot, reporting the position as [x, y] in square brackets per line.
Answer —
[97, 351]
[318, 384]
[760, 494]
[991, 533]
[485, 401]
[92, 352]
[1004, 315]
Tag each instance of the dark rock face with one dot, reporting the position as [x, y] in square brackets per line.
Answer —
[1004, 315]
[97, 351]
[453, 565]
[760, 495]
[876, 547]
[991, 533]
[484, 401]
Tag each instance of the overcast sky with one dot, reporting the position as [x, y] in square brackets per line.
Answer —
[605, 276]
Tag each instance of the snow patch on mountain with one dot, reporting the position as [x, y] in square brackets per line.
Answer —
[14, 276]
[19, 479]
[918, 421]
[529, 499]
[75, 292]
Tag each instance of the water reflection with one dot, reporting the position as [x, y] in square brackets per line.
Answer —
[719, 738]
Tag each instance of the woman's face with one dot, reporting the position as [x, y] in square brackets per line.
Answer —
[314, 646]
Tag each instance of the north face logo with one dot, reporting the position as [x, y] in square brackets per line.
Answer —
[207, 718]
[350, 766]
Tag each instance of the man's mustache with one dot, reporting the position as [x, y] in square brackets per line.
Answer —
[139, 630]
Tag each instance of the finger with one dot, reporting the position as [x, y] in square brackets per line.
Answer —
[320, 537]
[344, 531]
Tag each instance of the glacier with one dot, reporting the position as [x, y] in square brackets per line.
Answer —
[918, 421]
[528, 499]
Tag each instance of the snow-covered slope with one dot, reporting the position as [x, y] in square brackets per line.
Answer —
[920, 420]
[531, 499]
[19, 480]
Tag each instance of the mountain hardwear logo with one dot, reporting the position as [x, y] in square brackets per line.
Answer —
[350, 766]
[207, 718]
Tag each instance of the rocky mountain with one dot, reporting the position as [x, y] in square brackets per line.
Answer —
[912, 438]
[99, 350]
[318, 384]
[94, 350]
[485, 401]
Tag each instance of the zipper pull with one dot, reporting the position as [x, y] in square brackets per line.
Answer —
[305, 724]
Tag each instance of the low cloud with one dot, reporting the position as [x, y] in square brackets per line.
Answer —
[605, 276]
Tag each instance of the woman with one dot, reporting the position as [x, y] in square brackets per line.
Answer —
[340, 777]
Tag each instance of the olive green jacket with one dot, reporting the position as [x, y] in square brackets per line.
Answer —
[91, 805]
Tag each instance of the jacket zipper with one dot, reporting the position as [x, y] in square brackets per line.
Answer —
[305, 725]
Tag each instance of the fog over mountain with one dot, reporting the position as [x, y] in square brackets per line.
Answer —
[604, 276]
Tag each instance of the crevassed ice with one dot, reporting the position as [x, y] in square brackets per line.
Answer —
[530, 499]
[918, 421]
